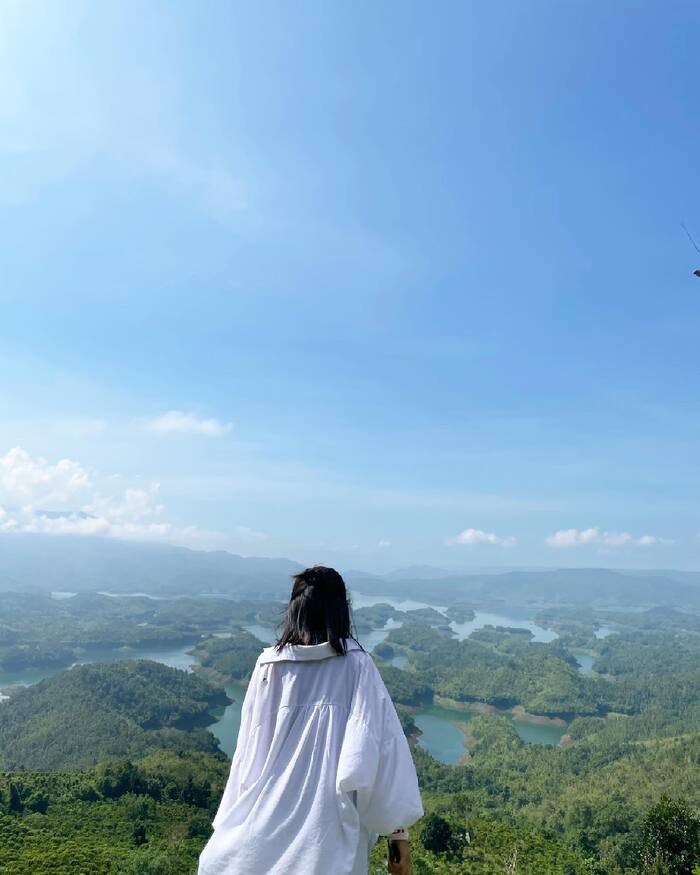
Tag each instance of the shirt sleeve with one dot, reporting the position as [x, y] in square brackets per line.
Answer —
[233, 784]
[375, 758]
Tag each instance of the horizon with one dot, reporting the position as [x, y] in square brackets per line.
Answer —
[380, 286]
[376, 571]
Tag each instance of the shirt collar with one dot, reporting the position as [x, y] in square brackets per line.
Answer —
[301, 652]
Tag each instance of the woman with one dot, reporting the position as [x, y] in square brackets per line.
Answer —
[322, 767]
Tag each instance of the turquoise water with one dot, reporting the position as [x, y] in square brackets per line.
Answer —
[176, 656]
[534, 733]
[370, 639]
[229, 721]
[262, 633]
[445, 741]
[440, 737]
[484, 618]
[585, 660]
[400, 660]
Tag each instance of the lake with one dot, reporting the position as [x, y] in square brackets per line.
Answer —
[228, 720]
[176, 656]
[446, 742]
[461, 630]
[440, 736]
[585, 660]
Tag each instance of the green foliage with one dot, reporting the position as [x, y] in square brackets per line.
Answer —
[101, 711]
[534, 676]
[232, 657]
[670, 839]
[405, 688]
[460, 613]
[150, 816]
[384, 650]
[373, 617]
[38, 631]
[490, 850]
[154, 815]
[436, 834]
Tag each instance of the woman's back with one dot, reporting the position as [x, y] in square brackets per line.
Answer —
[321, 768]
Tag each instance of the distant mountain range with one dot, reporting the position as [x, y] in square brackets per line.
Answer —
[78, 564]
[584, 586]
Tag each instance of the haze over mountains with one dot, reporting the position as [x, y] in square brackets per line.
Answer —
[44, 562]
[33, 562]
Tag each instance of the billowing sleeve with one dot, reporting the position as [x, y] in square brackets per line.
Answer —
[375, 759]
[240, 756]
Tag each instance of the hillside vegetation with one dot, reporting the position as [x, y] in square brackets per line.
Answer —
[101, 711]
[152, 817]
[124, 777]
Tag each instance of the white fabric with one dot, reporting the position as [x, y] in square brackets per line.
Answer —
[321, 769]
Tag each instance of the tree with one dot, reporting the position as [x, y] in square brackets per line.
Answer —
[436, 834]
[670, 839]
[138, 833]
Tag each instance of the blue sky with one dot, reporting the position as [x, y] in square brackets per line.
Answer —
[365, 283]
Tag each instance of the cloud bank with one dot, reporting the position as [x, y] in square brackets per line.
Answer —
[595, 536]
[66, 498]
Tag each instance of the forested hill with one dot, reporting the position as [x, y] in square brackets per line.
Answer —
[100, 711]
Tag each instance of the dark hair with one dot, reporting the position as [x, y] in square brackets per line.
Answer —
[318, 610]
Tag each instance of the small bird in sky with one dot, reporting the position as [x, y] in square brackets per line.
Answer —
[690, 237]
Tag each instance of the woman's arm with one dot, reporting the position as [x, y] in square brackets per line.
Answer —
[399, 862]
[376, 760]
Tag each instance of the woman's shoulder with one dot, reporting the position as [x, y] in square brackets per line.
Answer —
[314, 652]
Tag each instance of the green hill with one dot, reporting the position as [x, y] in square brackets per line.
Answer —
[101, 711]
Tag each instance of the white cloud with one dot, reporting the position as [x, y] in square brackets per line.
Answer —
[25, 480]
[65, 498]
[133, 505]
[572, 537]
[178, 422]
[477, 536]
[595, 536]
[384, 543]
[650, 540]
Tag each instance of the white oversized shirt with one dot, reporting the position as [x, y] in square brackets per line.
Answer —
[321, 768]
